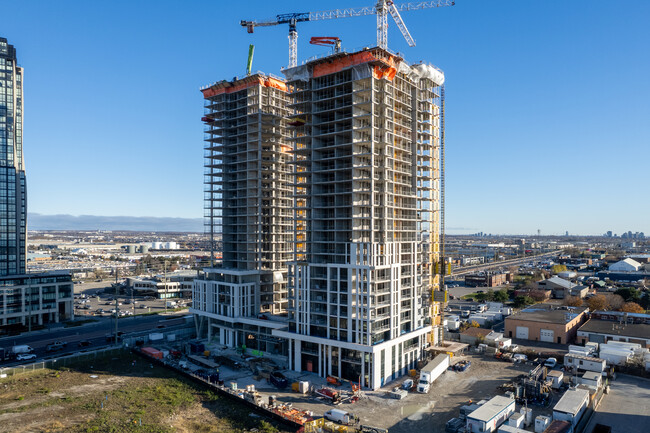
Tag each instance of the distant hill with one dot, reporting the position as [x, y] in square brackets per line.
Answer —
[37, 221]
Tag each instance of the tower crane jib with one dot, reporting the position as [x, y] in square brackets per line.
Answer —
[381, 9]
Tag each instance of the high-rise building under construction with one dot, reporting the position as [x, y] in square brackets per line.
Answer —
[248, 203]
[365, 149]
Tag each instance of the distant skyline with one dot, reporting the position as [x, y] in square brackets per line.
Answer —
[546, 104]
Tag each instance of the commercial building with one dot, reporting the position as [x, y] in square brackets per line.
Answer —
[546, 322]
[31, 300]
[490, 415]
[602, 331]
[248, 200]
[559, 287]
[487, 279]
[172, 285]
[626, 265]
[13, 192]
[571, 406]
[366, 139]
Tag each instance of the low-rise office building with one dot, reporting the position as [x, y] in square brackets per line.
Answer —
[602, 331]
[487, 279]
[546, 322]
[173, 285]
[28, 300]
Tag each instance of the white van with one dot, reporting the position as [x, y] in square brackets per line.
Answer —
[340, 416]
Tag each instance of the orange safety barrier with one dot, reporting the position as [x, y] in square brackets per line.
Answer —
[220, 88]
[345, 62]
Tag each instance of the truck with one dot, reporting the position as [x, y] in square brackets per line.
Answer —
[171, 304]
[340, 416]
[23, 348]
[432, 371]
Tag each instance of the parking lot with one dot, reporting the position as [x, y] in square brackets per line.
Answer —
[98, 300]
[626, 409]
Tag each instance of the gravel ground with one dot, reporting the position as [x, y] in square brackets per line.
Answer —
[416, 412]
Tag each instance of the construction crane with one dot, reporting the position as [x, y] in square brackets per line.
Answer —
[382, 9]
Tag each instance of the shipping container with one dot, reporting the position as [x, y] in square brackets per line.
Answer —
[154, 353]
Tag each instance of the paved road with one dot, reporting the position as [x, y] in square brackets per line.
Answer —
[626, 409]
[501, 264]
[95, 333]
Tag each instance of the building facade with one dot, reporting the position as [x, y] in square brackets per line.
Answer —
[248, 202]
[325, 188]
[366, 140]
[13, 194]
[546, 322]
[31, 300]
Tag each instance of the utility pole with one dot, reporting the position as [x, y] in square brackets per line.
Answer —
[165, 282]
[28, 304]
[116, 306]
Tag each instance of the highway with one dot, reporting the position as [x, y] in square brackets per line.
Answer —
[95, 333]
[511, 262]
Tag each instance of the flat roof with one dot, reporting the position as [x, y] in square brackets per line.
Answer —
[555, 373]
[591, 375]
[548, 313]
[491, 408]
[635, 330]
[572, 401]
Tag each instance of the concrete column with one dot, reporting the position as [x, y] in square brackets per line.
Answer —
[297, 361]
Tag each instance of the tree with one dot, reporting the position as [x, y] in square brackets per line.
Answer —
[629, 294]
[614, 302]
[632, 307]
[556, 269]
[501, 296]
[489, 296]
[598, 302]
[537, 295]
[522, 301]
[573, 301]
[474, 324]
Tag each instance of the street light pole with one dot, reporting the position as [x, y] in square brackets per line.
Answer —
[165, 282]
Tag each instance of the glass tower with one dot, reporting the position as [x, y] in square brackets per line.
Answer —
[13, 194]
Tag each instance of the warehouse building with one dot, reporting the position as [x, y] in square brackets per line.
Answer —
[602, 331]
[546, 322]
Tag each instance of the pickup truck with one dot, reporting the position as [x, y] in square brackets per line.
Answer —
[55, 346]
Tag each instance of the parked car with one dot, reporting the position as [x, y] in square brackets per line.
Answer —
[550, 363]
[519, 357]
[55, 346]
[25, 356]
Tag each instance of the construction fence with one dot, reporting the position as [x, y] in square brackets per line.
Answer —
[59, 362]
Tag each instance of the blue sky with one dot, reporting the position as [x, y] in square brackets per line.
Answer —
[548, 112]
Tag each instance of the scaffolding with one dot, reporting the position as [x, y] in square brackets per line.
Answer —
[248, 197]
[366, 156]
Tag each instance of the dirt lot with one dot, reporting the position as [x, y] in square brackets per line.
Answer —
[416, 412]
[114, 395]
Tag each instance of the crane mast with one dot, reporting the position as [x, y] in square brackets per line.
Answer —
[382, 9]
